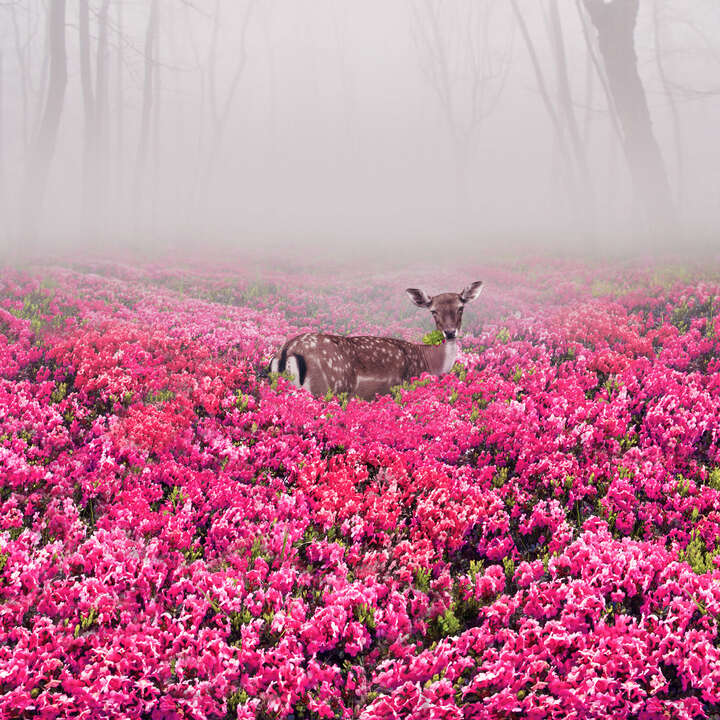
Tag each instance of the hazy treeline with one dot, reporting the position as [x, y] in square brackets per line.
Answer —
[126, 123]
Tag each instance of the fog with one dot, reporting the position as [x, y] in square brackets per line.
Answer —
[377, 128]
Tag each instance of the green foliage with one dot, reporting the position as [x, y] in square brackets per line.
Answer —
[3, 561]
[603, 288]
[683, 486]
[274, 377]
[241, 401]
[396, 390]
[459, 371]
[342, 398]
[36, 307]
[684, 313]
[612, 385]
[509, 565]
[365, 614]
[258, 549]
[159, 397]
[448, 624]
[503, 336]
[475, 569]
[500, 477]
[234, 700]
[681, 317]
[193, 553]
[125, 399]
[258, 290]
[714, 478]
[59, 393]
[422, 579]
[517, 375]
[434, 337]
[697, 555]
[240, 618]
[86, 621]
[628, 441]
[176, 497]
[284, 545]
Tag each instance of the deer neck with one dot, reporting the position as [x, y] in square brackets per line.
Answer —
[440, 358]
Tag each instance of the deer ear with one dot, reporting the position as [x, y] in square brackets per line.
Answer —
[419, 297]
[471, 291]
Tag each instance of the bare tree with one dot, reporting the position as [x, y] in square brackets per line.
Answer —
[41, 93]
[43, 146]
[220, 111]
[615, 22]
[156, 108]
[201, 69]
[119, 159]
[567, 111]
[567, 165]
[466, 70]
[147, 102]
[21, 50]
[102, 106]
[89, 176]
[672, 104]
[95, 102]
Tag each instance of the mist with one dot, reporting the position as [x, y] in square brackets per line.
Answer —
[389, 129]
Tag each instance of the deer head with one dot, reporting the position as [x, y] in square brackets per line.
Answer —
[446, 308]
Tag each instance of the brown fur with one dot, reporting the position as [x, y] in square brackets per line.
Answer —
[367, 365]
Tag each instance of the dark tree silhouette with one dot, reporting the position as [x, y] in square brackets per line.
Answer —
[147, 103]
[44, 142]
[615, 25]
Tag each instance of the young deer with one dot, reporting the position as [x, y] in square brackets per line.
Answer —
[366, 365]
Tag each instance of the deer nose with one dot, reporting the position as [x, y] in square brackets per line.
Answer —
[449, 334]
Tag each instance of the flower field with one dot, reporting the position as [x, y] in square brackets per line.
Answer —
[533, 535]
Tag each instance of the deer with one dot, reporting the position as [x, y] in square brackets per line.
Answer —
[364, 366]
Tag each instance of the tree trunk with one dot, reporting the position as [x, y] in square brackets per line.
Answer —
[21, 60]
[677, 131]
[221, 113]
[615, 25]
[568, 173]
[565, 102]
[44, 78]
[141, 163]
[119, 111]
[100, 161]
[89, 179]
[157, 90]
[44, 143]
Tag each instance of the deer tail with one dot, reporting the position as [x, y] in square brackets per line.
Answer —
[295, 364]
[297, 367]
